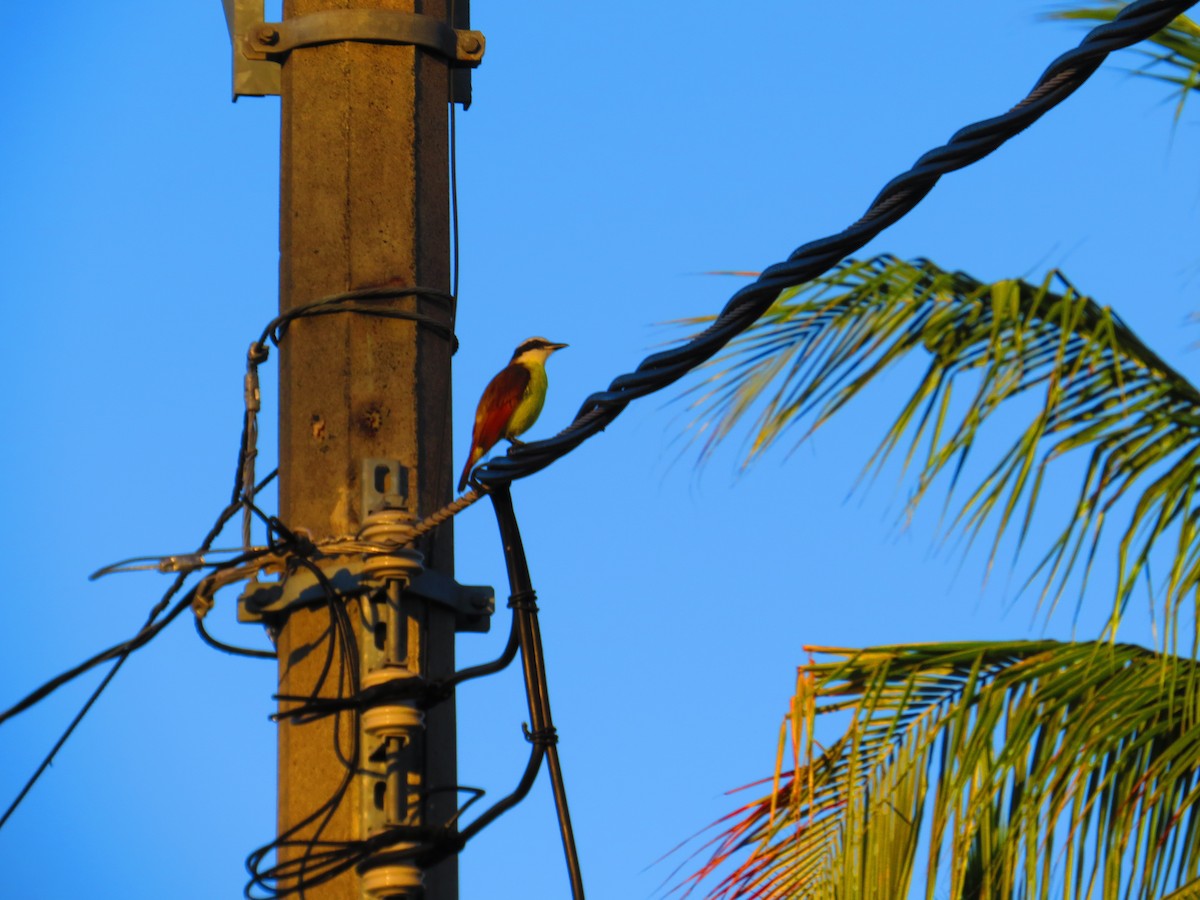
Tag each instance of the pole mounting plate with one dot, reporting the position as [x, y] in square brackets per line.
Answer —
[270, 601]
[259, 47]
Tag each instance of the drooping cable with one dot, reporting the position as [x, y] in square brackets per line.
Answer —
[149, 630]
[322, 860]
[317, 860]
[49, 757]
[454, 238]
[426, 695]
[542, 731]
[970, 144]
[231, 649]
[120, 652]
[541, 734]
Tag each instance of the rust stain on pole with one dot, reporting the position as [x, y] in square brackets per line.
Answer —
[363, 201]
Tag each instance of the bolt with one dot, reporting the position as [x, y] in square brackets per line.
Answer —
[471, 44]
[268, 35]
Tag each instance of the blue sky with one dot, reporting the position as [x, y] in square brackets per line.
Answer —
[613, 154]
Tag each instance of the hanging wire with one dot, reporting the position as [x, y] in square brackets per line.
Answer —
[152, 627]
[120, 652]
[969, 145]
[231, 649]
[309, 868]
[454, 240]
[542, 733]
[323, 860]
[400, 690]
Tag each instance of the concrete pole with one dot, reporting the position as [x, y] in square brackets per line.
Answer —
[363, 202]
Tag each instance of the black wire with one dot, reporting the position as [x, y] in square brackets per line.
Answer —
[528, 777]
[49, 758]
[345, 303]
[543, 733]
[267, 479]
[322, 861]
[120, 652]
[218, 644]
[313, 868]
[427, 695]
[452, 16]
[489, 668]
[970, 144]
[454, 240]
[148, 631]
[123, 649]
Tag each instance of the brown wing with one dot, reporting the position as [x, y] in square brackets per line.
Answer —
[496, 407]
[500, 401]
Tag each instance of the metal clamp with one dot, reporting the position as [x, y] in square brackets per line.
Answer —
[267, 601]
[375, 26]
[259, 46]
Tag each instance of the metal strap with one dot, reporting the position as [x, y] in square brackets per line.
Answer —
[375, 26]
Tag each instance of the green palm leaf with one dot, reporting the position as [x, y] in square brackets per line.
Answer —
[1034, 769]
[1180, 43]
[1099, 390]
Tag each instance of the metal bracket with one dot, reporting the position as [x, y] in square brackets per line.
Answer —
[384, 485]
[263, 601]
[259, 46]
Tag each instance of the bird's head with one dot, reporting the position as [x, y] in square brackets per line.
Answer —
[535, 349]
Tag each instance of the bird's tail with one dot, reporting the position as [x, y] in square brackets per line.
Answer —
[466, 472]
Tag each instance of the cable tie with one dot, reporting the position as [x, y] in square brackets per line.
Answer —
[543, 737]
[303, 545]
[526, 601]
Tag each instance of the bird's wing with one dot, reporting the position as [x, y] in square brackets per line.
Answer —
[500, 400]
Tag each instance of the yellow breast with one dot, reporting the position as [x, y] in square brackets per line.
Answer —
[531, 403]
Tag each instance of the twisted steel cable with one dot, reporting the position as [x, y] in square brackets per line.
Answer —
[1136, 22]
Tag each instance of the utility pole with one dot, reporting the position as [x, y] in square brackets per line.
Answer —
[364, 201]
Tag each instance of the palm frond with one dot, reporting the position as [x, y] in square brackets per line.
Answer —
[1100, 391]
[1024, 769]
[1180, 41]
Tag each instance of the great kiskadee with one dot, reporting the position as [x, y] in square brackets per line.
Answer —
[511, 402]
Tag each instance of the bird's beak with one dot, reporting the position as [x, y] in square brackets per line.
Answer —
[558, 346]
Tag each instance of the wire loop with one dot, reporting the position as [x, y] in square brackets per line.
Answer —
[543, 737]
[524, 601]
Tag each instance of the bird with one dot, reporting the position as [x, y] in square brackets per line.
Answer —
[511, 402]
